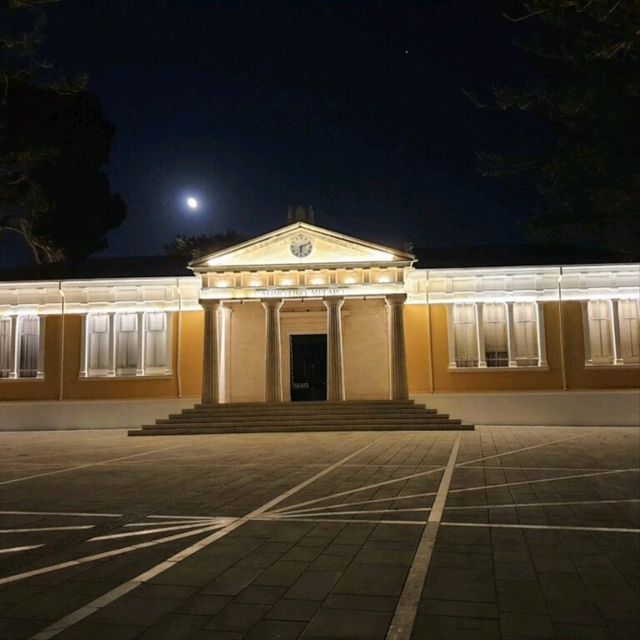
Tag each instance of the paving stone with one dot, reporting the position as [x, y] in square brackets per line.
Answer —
[517, 572]
[330, 563]
[371, 580]
[46, 606]
[129, 608]
[348, 625]
[174, 627]
[261, 594]
[524, 597]
[19, 629]
[88, 631]
[455, 608]
[576, 613]
[553, 564]
[282, 574]
[237, 617]
[461, 560]
[203, 605]
[358, 602]
[563, 587]
[164, 591]
[313, 585]
[454, 628]
[474, 585]
[300, 610]
[276, 630]
[233, 581]
[581, 632]
[534, 625]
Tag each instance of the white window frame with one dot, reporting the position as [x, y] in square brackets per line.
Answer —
[617, 359]
[141, 369]
[14, 339]
[513, 364]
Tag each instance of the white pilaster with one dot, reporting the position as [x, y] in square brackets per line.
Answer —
[335, 360]
[273, 377]
[210, 385]
[399, 388]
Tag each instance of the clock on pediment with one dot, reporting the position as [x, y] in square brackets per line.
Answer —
[301, 246]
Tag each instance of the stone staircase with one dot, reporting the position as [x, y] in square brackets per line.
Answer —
[260, 417]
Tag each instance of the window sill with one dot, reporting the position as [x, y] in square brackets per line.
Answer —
[501, 369]
[631, 365]
[32, 379]
[149, 376]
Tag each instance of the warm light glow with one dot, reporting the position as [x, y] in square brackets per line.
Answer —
[384, 279]
[383, 255]
[286, 282]
[222, 283]
[317, 281]
[349, 280]
[192, 203]
[255, 283]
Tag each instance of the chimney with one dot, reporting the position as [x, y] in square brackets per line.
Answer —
[301, 213]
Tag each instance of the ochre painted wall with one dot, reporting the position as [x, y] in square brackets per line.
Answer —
[581, 377]
[416, 336]
[364, 333]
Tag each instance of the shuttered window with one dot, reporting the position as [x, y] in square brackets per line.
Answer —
[155, 340]
[6, 346]
[126, 343]
[28, 346]
[525, 334]
[629, 323]
[465, 335]
[600, 331]
[98, 343]
[496, 341]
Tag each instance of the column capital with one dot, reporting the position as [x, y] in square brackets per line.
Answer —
[209, 302]
[272, 302]
[395, 298]
[333, 301]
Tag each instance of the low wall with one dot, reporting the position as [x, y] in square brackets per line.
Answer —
[562, 408]
[87, 414]
[569, 408]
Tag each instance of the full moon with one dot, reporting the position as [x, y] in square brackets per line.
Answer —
[192, 203]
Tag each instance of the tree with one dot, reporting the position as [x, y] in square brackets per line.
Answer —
[588, 91]
[54, 147]
[196, 246]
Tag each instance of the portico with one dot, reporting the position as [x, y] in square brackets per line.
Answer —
[303, 281]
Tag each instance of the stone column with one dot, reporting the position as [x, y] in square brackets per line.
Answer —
[335, 363]
[210, 360]
[273, 381]
[399, 389]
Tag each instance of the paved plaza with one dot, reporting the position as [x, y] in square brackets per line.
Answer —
[498, 533]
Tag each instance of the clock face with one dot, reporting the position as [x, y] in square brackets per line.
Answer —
[301, 246]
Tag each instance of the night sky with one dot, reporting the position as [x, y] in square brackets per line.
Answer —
[354, 107]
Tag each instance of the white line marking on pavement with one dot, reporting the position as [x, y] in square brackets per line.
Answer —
[535, 446]
[182, 517]
[407, 606]
[484, 466]
[515, 484]
[538, 526]
[356, 490]
[33, 529]
[148, 532]
[90, 464]
[162, 523]
[351, 521]
[288, 515]
[99, 556]
[543, 504]
[113, 595]
[60, 513]
[16, 549]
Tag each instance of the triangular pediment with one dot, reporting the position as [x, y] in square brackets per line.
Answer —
[301, 245]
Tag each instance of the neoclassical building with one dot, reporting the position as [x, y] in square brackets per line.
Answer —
[304, 313]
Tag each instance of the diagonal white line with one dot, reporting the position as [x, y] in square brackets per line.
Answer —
[289, 516]
[352, 521]
[292, 507]
[90, 464]
[113, 595]
[16, 549]
[99, 556]
[530, 448]
[542, 504]
[35, 529]
[60, 513]
[485, 466]
[538, 526]
[515, 484]
[162, 523]
[346, 505]
[407, 606]
[181, 517]
[148, 532]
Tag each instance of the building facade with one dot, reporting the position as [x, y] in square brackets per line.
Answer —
[303, 313]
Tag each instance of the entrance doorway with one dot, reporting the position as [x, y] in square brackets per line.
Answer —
[308, 367]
